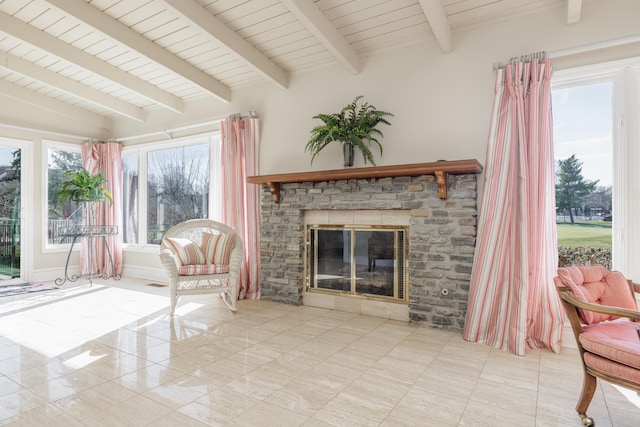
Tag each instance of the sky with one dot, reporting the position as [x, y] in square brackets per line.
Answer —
[582, 125]
[6, 156]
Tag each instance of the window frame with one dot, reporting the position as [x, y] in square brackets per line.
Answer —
[625, 78]
[213, 139]
[47, 145]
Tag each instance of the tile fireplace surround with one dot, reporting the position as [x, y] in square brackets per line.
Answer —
[437, 200]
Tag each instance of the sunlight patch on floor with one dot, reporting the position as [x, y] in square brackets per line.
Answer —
[55, 326]
[631, 395]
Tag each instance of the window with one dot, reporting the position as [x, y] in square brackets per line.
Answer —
[166, 185]
[10, 210]
[130, 198]
[583, 137]
[61, 159]
[607, 115]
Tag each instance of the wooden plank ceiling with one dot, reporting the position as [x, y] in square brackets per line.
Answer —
[97, 59]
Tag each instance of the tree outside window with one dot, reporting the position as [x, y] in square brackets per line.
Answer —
[571, 187]
[177, 187]
[61, 161]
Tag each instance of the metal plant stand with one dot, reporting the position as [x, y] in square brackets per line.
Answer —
[89, 232]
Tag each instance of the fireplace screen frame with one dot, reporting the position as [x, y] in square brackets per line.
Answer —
[385, 279]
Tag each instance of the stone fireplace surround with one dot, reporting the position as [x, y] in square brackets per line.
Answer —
[442, 233]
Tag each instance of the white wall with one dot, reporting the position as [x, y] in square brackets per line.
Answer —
[442, 103]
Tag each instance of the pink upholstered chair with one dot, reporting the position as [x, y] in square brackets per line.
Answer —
[601, 306]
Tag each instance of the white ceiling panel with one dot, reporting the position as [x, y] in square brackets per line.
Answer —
[169, 55]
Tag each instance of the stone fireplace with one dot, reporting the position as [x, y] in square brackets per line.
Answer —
[435, 202]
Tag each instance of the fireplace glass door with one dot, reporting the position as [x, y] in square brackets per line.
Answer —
[358, 260]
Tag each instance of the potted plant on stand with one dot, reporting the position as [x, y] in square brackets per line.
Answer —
[82, 187]
[354, 126]
[88, 190]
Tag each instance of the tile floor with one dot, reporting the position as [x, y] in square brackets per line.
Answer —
[108, 355]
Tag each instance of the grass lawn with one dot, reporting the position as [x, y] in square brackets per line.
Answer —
[596, 234]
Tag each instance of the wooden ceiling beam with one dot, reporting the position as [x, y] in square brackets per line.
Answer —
[110, 27]
[321, 27]
[41, 40]
[439, 23]
[237, 46]
[70, 86]
[52, 105]
[574, 8]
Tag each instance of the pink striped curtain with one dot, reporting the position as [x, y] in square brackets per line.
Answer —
[241, 209]
[513, 304]
[105, 157]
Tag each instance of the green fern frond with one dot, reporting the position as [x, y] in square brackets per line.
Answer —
[81, 186]
[353, 123]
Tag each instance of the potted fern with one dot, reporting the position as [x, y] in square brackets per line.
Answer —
[82, 187]
[354, 126]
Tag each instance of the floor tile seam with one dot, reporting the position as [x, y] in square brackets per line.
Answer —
[340, 425]
[18, 386]
[263, 401]
[437, 355]
[389, 355]
[538, 388]
[473, 390]
[342, 345]
[41, 402]
[54, 408]
[395, 405]
[473, 394]
[76, 391]
[158, 398]
[184, 414]
[603, 394]
[19, 372]
[336, 394]
[57, 404]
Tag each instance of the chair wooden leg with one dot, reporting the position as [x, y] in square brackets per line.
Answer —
[589, 385]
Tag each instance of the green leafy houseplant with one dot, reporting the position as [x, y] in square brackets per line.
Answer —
[82, 187]
[354, 126]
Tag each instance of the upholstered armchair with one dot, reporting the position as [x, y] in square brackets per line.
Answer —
[202, 256]
[601, 306]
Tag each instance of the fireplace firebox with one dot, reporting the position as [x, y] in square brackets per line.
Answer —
[358, 260]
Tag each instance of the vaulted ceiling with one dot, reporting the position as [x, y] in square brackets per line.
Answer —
[97, 59]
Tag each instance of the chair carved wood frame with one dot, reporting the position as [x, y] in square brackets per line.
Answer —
[225, 282]
[602, 308]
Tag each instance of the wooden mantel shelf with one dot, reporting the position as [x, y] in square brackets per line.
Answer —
[440, 169]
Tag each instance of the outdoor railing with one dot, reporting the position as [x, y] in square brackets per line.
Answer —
[9, 247]
[56, 228]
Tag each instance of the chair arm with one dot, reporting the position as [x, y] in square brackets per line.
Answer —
[235, 261]
[170, 262]
[636, 287]
[569, 297]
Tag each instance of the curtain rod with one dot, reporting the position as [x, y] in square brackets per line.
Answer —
[524, 58]
[582, 48]
[168, 132]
